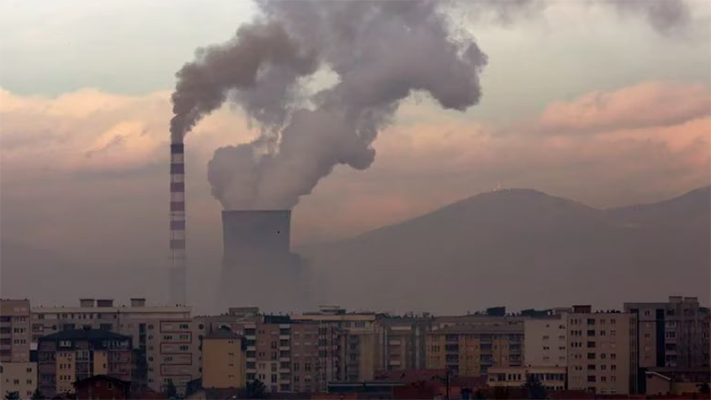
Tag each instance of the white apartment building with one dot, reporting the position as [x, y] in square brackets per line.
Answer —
[599, 351]
[546, 341]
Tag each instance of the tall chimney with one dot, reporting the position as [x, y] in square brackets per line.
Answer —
[178, 261]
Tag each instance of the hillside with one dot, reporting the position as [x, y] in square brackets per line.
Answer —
[521, 248]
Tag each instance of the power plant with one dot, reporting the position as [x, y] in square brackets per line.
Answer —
[258, 267]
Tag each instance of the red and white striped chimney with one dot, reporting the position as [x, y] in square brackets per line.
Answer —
[178, 260]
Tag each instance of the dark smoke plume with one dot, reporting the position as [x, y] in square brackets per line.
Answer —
[379, 51]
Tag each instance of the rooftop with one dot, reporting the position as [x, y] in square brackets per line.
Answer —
[85, 334]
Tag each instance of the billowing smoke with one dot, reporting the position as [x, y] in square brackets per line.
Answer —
[665, 16]
[379, 52]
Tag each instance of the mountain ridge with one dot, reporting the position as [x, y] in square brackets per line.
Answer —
[525, 235]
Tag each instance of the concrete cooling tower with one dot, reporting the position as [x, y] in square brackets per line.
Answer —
[258, 268]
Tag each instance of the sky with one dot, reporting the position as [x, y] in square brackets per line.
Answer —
[581, 99]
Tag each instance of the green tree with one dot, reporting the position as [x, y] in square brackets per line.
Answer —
[12, 396]
[170, 390]
[37, 395]
[534, 388]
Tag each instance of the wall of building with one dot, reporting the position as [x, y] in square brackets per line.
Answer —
[470, 350]
[173, 353]
[553, 378]
[223, 363]
[546, 342]
[20, 377]
[599, 347]
[15, 336]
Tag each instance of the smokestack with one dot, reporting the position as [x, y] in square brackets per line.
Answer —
[258, 268]
[178, 259]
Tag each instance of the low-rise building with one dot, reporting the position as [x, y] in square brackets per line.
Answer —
[552, 378]
[102, 387]
[675, 381]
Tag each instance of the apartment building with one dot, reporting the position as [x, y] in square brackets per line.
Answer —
[672, 334]
[15, 336]
[20, 377]
[223, 362]
[402, 342]
[546, 341]
[470, 350]
[599, 348]
[552, 378]
[173, 354]
[71, 355]
[157, 359]
[348, 343]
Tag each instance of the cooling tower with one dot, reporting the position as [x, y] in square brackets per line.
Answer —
[258, 268]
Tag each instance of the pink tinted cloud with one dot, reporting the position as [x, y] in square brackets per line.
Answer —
[644, 105]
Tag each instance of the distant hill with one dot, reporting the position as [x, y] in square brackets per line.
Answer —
[522, 248]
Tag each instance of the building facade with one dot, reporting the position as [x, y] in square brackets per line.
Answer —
[15, 337]
[402, 342]
[672, 334]
[599, 348]
[20, 377]
[159, 336]
[546, 341]
[72, 355]
[552, 378]
[472, 350]
[223, 362]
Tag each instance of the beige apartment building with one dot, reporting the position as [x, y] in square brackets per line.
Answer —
[164, 338]
[470, 350]
[223, 362]
[546, 341]
[20, 377]
[15, 337]
[552, 378]
[599, 347]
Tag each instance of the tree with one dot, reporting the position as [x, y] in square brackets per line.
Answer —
[254, 390]
[37, 395]
[170, 390]
[534, 388]
[500, 392]
[480, 394]
[12, 395]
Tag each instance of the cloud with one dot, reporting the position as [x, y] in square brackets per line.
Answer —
[644, 105]
[650, 141]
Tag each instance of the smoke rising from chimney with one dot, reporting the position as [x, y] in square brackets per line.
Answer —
[380, 53]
